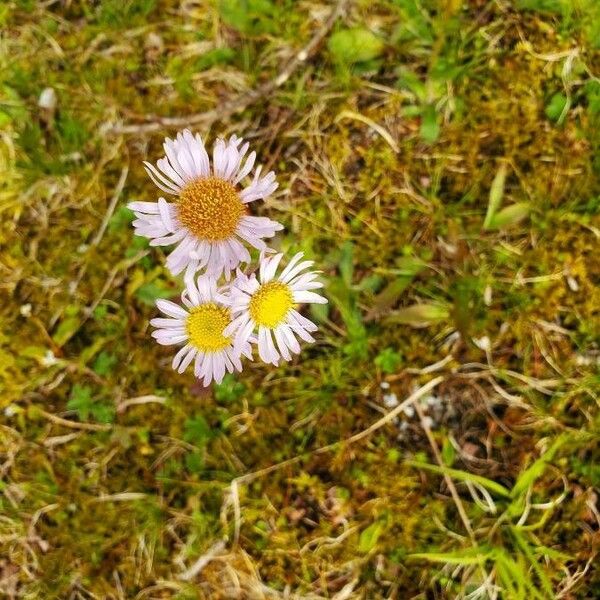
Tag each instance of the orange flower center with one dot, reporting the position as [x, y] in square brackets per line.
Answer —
[210, 208]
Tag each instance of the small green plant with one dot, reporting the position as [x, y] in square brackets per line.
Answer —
[82, 401]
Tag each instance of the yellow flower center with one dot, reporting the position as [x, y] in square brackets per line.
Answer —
[271, 303]
[205, 327]
[210, 208]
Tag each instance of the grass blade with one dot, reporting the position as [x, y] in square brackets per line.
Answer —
[492, 486]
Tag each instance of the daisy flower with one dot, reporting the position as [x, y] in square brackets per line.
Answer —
[208, 219]
[268, 304]
[200, 325]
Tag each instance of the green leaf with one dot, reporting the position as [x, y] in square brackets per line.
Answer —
[420, 315]
[448, 452]
[492, 486]
[194, 462]
[496, 194]
[592, 92]
[414, 23]
[103, 412]
[120, 13]
[550, 6]
[388, 360]
[121, 219]
[214, 57]
[197, 431]
[81, 401]
[528, 477]
[527, 550]
[319, 312]
[229, 390]
[150, 292]
[430, 126]
[470, 556]
[343, 299]
[369, 283]
[12, 107]
[104, 363]
[72, 133]
[252, 17]
[410, 81]
[513, 576]
[409, 112]
[369, 536]
[409, 269]
[67, 328]
[511, 215]
[557, 108]
[350, 46]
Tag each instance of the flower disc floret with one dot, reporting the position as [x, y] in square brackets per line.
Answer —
[210, 208]
[205, 325]
[270, 305]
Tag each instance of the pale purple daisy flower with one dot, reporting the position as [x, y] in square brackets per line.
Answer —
[267, 304]
[199, 324]
[208, 221]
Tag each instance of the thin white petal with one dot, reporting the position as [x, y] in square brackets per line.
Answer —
[281, 344]
[171, 309]
[185, 363]
[297, 268]
[177, 358]
[167, 323]
[306, 296]
[165, 184]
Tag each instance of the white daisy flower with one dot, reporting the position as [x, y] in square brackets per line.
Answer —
[268, 304]
[209, 220]
[199, 325]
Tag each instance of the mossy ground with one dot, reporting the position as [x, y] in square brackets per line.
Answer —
[389, 145]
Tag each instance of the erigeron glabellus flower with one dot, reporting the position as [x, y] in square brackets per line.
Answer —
[267, 304]
[199, 324]
[208, 221]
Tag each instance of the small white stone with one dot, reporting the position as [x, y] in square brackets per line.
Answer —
[390, 400]
[428, 422]
[409, 411]
[487, 295]
[573, 285]
[47, 99]
[11, 410]
[25, 310]
[384, 385]
[585, 360]
[483, 343]
[153, 41]
[433, 401]
[49, 359]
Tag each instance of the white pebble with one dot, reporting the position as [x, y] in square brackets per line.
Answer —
[11, 410]
[47, 99]
[390, 400]
[428, 422]
[49, 359]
